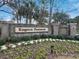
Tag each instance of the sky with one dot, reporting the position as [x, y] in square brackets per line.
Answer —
[71, 7]
[4, 15]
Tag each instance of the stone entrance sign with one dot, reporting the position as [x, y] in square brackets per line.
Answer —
[30, 29]
[25, 29]
[18, 30]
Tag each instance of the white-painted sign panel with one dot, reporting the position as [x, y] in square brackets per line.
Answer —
[30, 29]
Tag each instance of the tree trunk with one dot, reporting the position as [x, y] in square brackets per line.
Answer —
[20, 19]
[17, 19]
[26, 20]
[30, 21]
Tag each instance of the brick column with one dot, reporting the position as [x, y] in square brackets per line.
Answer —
[56, 28]
[73, 29]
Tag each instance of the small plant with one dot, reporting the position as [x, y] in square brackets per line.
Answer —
[41, 54]
[52, 49]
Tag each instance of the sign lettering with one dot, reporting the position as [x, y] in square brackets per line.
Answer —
[31, 29]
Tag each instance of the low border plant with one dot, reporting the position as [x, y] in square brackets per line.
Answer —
[36, 37]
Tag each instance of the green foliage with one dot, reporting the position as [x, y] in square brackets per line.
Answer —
[2, 41]
[28, 10]
[36, 37]
[41, 54]
[41, 51]
[60, 17]
[76, 19]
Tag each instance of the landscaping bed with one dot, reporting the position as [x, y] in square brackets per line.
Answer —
[42, 49]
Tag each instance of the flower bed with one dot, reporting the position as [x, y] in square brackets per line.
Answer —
[4, 47]
[38, 49]
[35, 37]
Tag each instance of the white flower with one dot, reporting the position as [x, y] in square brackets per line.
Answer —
[54, 40]
[43, 40]
[47, 39]
[36, 41]
[13, 46]
[50, 39]
[40, 40]
[60, 40]
[25, 43]
[77, 41]
[3, 47]
[19, 43]
[31, 42]
[57, 39]
[64, 40]
[73, 41]
[69, 40]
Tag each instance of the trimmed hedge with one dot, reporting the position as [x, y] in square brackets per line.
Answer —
[35, 37]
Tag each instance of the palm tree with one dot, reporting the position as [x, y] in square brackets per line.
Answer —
[27, 10]
[41, 13]
[40, 16]
[60, 17]
[31, 8]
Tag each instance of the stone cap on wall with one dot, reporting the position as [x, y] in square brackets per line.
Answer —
[6, 22]
[56, 23]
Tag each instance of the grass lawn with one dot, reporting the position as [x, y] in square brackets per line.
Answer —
[61, 50]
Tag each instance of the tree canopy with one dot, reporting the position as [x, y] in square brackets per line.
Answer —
[60, 17]
[39, 11]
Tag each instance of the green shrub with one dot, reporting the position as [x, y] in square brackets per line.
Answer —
[35, 37]
[25, 38]
[2, 41]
